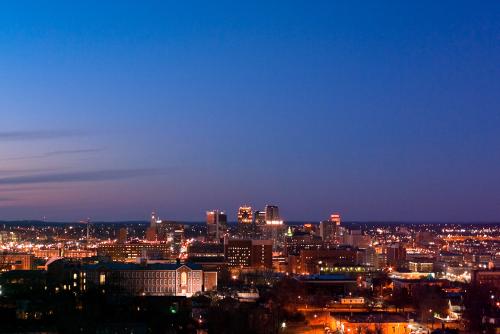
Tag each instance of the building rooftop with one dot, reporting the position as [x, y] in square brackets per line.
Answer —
[445, 253]
[329, 277]
[418, 280]
[137, 266]
[379, 317]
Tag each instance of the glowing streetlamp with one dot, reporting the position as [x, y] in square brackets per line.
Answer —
[283, 325]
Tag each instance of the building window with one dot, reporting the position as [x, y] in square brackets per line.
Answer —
[183, 278]
[102, 278]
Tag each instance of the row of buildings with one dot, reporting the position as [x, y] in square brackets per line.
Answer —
[251, 224]
[134, 279]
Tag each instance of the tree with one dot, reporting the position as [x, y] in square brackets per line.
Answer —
[429, 300]
[401, 298]
[477, 304]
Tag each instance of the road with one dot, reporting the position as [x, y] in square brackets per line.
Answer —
[353, 309]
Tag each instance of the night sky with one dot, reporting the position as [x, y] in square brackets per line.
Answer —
[382, 111]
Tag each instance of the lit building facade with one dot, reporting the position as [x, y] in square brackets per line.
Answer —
[133, 251]
[122, 235]
[327, 230]
[78, 253]
[249, 253]
[216, 224]
[421, 265]
[487, 277]
[272, 215]
[205, 252]
[396, 255]
[383, 323]
[356, 238]
[245, 215]
[302, 240]
[260, 218]
[149, 279]
[46, 253]
[16, 261]
[335, 218]
[313, 260]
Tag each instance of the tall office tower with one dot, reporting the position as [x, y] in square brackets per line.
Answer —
[154, 219]
[371, 257]
[335, 218]
[274, 228]
[152, 230]
[396, 255]
[177, 238]
[327, 230]
[260, 218]
[170, 232]
[151, 234]
[122, 235]
[246, 226]
[245, 215]
[216, 224]
[273, 215]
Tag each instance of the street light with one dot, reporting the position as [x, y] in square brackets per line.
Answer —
[283, 325]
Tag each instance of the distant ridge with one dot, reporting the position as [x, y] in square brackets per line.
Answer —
[292, 223]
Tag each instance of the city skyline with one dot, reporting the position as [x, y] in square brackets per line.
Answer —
[381, 111]
[250, 167]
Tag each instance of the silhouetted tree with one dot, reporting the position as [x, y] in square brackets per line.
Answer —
[477, 304]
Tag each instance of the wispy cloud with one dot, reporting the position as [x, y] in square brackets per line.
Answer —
[81, 176]
[17, 171]
[55, 153]
[7, 199]
[22, 135]
[23, 188]
[77, 151]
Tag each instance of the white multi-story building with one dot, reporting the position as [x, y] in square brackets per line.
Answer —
[150, 279]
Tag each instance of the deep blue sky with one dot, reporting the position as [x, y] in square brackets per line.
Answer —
[378, 110]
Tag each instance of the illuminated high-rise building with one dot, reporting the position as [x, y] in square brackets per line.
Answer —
[216, 224]
[260, 218]
[396, 255]
[245, 215]
[122, 235]
[151, 234]
[154, 220]
[274, 228]
[335, 218]
[329, 229]
[171, 232]
[273, 215]
[152, 230]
